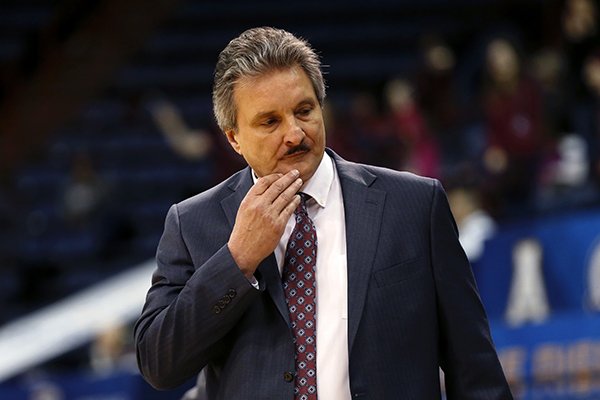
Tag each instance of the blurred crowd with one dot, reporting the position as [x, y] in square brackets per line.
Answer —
[523, 142]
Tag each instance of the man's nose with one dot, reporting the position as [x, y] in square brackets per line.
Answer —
[294, 134]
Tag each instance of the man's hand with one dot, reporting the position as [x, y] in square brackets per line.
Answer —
[262, 217]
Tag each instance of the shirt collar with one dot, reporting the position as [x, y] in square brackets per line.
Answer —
[319, 185]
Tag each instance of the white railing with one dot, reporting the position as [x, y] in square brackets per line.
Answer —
[73, 321]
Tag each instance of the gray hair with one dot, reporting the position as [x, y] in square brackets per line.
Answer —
[253, 53]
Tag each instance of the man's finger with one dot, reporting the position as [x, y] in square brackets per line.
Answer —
[263, 183]
[288, 210]
[280, 185]
[287, 195]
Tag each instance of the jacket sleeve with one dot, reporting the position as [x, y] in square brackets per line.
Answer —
[189, 309]
[468, 357]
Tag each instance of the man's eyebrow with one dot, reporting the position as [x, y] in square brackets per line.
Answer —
[261, 115]
[307, 100]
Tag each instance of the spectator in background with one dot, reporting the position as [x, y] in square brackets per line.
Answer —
[112, 350]
[46, 391]
[86, 195]
[191, 144]
[340, 133]
[90, 211]
[548, 68]
[419, 151]
[581, 34]
[436, 95]
[372, 138]
[565, 180]
[591, 110]
[581, 38]
[513, 126]
[475, 225]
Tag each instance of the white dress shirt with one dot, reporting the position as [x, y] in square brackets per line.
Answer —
[326, 209]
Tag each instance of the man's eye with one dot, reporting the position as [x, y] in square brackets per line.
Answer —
[304, 111]
[269, 122]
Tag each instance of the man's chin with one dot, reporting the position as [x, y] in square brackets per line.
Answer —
[307, 170]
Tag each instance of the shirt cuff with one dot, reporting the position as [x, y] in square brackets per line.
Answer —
[254, 282]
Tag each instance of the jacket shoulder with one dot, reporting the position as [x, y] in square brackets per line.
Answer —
[382, 178]
[392, 180]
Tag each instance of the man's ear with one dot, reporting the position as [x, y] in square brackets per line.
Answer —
[230, 134]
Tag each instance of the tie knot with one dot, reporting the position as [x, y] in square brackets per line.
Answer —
[304, 197]
[302, 206]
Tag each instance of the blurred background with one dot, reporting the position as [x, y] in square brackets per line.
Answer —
[106, 120]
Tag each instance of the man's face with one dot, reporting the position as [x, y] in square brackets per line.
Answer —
[279, 123]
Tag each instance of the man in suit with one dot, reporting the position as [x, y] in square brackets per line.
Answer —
[306, 276]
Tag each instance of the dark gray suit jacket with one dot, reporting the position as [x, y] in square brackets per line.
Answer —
[412, 301]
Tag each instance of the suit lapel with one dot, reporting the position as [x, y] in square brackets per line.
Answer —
[239, 185]
[268, 272]
[363, 207]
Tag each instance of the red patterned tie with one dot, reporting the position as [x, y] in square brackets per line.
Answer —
[300, 287]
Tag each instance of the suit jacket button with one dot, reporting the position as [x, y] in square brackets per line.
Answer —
[231, 293]
[217, 309]
[288, 376]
